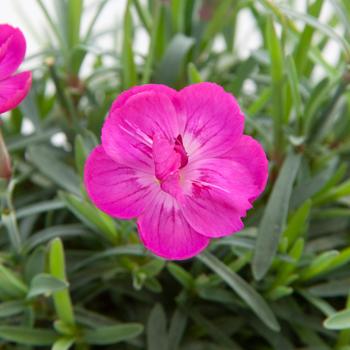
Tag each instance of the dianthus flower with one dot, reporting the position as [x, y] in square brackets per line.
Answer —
[13, 87]
[179, 163]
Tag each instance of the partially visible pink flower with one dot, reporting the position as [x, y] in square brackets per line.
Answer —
[13, 88]
[179, 163]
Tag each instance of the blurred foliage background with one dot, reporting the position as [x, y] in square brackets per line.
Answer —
[72, 277]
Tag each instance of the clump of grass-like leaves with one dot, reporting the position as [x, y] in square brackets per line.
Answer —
[70, 276]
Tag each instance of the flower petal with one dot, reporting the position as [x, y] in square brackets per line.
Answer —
[212, 120]
[166, 159]
[116, 189]
[13, 90]
[12, 50]
[251, 155]
[218, 193]
[124, 96]
[164, 230]
[127, 135]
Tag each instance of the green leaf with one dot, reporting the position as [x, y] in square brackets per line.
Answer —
[9, 220]
[243, 289]
[155, 47]
[54, 169]
[144, 15]
[295, 90]
[175, 57]
[63, 304]
[53, 232]
[157, 337]
[178, 15]
[45, 284]
[63, 343]
[90, 215]
[181, 275]
[75, 8]
[321, 27]
[28, 336]
[221, 15]
[11, 283]
[334, 288]
[297, 224]
[193, 73]
[274, 217]
[214, 331]
[340, 320]
[302, 49]
[38, 208]
[12, 308]
[112, 334]
[277, 75]
[81, 154]
[319, 265]
[310, 187]
[177, 329]
[30, 110]
[35, 263]
[152, 268]
[128, 63]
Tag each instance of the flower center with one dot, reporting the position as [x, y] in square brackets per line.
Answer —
[180, 149]
[169, 157]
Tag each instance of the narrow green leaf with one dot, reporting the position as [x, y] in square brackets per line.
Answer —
[154, 50]
[75, 8]
[45, 284]
[35, 263]
[112, 334]
[334, 288]
[144, 15]
[12, 308]
[277, 75]
[274, 217]
[63, 304]
[340, 320]
[310, 187]
[193, 73]
[178, 15]
[81, 154]
[54, 169]
[175, 57]
[11, 283]
[157, 337]
[321, 27]
[90, 215]
[177, 329]
[302, 49]
[63, 343]
[181, 275]
[9, 220]
[221, 15]
[295, 90]
[28, 336]
[128, 63]
[297, 224]
[319, 265]
[243, 289]
[153, 267]
[53, 232]
[214, 331]
[30, 110]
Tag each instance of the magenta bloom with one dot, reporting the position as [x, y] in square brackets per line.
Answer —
[179, 162]
[13, 88]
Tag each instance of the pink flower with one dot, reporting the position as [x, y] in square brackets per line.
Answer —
[179, 162]
[13, 88]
